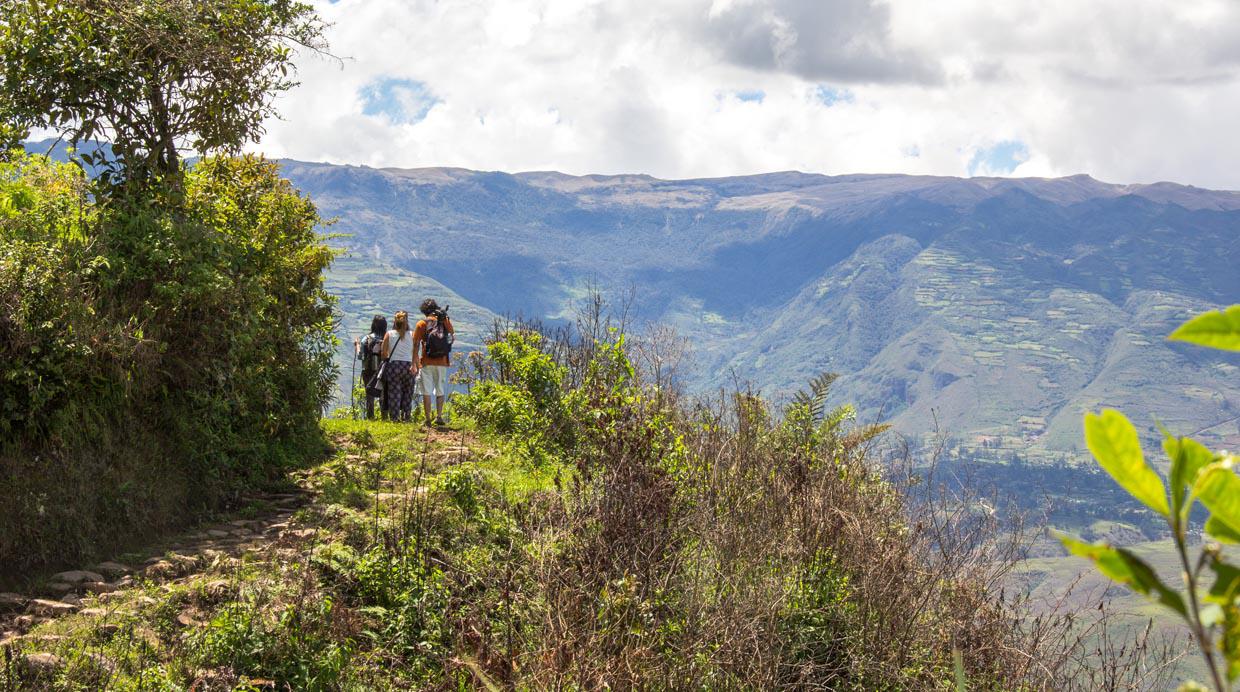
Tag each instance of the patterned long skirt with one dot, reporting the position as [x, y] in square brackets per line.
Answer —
[399, 387]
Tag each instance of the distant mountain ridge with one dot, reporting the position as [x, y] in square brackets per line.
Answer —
[997, 309]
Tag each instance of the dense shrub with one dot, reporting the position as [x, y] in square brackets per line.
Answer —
[304, 645]
[733, 544]
[159, 351]
[722, 546]
[517, 392]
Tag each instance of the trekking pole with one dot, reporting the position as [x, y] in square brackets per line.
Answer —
[353, 386]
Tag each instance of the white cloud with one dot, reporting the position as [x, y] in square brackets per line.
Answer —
[1126, 90]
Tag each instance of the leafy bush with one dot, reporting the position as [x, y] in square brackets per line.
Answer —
[461, 486]
[1196, 475]
[405, 601]
[816, 621]
[164, 331]
[45, 272]
[714, 545]
[159, 352]
[301, 647]
[517, 393]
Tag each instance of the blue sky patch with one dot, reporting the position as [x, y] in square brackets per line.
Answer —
[751, 95]
[1000, 159]
[829, 95]
[403, 101]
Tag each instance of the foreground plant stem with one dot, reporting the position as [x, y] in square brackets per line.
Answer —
[1190, 578]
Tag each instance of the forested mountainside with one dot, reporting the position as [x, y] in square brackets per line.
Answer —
[992, 310]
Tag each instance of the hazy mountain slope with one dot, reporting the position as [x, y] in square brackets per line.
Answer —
[999, 308]
[1014, 323]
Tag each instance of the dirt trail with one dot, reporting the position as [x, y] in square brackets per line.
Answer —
[96, 585]
[214, 563]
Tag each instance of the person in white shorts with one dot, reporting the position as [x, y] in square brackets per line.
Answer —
[432, 348]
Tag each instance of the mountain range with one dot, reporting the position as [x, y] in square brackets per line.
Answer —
[992, 310]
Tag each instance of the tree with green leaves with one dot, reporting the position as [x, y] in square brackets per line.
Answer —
[1197, 475]
[10, 138]
[152, 78]
[166, 334]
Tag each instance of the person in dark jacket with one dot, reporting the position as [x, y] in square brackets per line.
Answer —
[369, 350]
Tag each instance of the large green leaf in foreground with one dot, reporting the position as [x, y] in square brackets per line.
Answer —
[1188, 457]
[1128, 569]
[1218, 329]
[1114, 443]
[1218, 488]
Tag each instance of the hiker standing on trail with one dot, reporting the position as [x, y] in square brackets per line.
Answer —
[397, 369]
[432, 345]
[370, 351]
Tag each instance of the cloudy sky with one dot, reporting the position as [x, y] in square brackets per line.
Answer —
[1126, 90]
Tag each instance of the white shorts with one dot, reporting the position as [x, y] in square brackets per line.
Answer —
[433, 380]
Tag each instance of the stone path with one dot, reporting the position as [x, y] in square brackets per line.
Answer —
[65, 592]
[101, 589]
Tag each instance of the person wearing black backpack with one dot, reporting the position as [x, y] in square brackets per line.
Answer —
[369, 350]
[432, 348]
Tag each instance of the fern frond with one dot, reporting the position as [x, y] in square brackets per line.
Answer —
[819, 388]
[859, 436]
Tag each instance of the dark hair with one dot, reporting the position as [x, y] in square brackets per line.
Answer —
[429, 306]
[378, 325]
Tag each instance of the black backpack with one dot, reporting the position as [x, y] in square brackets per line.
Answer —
[438, 338]
[372, 353]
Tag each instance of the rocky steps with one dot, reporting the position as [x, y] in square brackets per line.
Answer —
[92, 589]
[107, 595]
